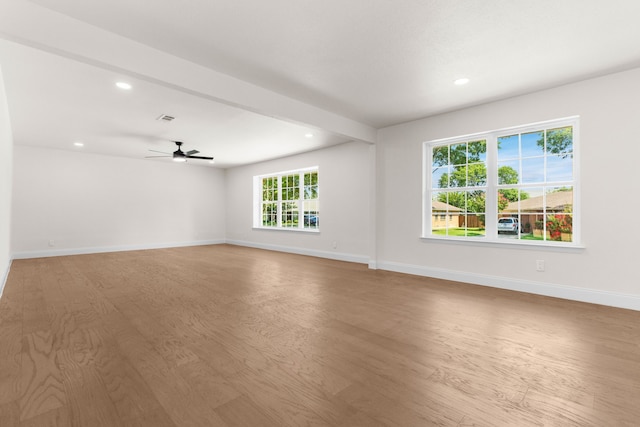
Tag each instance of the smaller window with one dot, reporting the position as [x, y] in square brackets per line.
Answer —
[288, 200]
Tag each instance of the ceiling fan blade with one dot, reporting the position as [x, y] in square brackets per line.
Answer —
[199, 157]
[179, 155]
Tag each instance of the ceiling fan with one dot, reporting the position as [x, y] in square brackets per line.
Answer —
[179, 155]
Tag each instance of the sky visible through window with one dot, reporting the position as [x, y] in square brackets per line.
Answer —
[538, 157]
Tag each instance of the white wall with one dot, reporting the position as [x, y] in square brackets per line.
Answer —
[605, 271]
[345, 177]
[87, 203]
[6, 147]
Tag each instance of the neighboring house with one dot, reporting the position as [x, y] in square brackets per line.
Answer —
[533, 209]
[443, 214]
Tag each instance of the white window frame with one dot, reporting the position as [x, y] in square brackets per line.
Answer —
[257, 200]
[491, 205]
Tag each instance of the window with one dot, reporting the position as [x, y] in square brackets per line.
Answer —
[516, 185]
[459, 177]
[288, 200]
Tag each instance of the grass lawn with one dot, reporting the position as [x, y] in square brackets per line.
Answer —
[459, 232]
[530, 237]
[471, 232]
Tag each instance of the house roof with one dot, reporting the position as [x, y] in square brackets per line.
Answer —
[438, 206]
[555, 202]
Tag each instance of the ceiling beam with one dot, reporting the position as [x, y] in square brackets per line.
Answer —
[32, 25]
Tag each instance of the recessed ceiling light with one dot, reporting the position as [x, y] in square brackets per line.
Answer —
[78, 144]
[123, 85]
[461, 81]
[308, 135]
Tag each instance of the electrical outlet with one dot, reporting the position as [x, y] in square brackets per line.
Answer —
[334, 244]
[539, 265]
[52, 242]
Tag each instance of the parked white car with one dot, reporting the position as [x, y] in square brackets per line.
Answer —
[508, 225]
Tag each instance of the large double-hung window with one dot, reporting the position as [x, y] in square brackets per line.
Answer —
[515, 185]
[288, 200]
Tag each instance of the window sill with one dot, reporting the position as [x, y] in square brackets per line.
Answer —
[295, 230]
[515, 244]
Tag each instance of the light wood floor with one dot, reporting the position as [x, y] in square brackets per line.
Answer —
[232, 336]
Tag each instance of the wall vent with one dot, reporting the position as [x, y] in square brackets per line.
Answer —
[165, 118]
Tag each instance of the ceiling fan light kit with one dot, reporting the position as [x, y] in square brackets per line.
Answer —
[181, 156]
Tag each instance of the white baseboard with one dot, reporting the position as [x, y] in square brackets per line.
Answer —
[631, 302]
[4, 278]
[96, 250]
[303, 251]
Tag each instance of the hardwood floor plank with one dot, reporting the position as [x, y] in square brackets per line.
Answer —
[303, 353]
[35, 314]
[612, 403]
[241, 412]
[208, 383]
[10, 361]
[180, 401]
[165, 341]
[388, 411]
[41, 380]
[132, 397]
[231, 336]
[58, 417]
[10, 413]
[360, 419]
[88, 400]
[217, 356]
[277, 399]
[12, 303]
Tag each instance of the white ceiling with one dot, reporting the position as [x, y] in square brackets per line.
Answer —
[57, 102]
[248, 79]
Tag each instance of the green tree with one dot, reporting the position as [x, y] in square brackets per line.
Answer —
[559, 142]
[476, 175]
[270, 188]
[311, 185]
[508, 175]
[456, 198]
[465, 176]
[459, 154]
[469, 170]
[503, 202]
[476, 202]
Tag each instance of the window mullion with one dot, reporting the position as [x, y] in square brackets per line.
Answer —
[301, 200]
[491, 205]
[279, 206]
